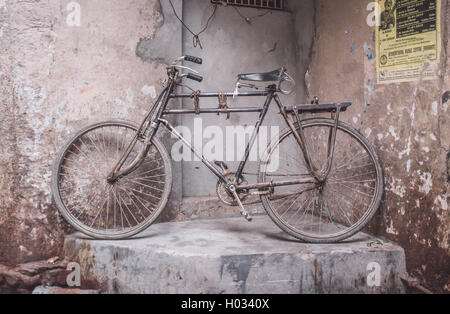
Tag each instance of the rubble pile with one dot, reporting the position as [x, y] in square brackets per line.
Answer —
[41, 277]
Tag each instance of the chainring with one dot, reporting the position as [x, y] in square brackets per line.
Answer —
[224, 195]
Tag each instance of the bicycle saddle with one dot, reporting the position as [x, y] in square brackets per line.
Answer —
[262, 77]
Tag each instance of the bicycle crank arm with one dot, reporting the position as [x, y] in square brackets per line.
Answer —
[244, 212]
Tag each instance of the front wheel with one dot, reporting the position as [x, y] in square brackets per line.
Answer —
[97, 207]
[333, 210]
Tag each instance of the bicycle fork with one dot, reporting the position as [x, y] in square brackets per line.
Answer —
[146, 132]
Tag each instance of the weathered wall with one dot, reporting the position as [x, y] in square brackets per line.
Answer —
[56, 78]
[408, 124]
[304, 30]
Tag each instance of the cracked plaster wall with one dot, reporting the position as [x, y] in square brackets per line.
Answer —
[54, 79]
[407, 122]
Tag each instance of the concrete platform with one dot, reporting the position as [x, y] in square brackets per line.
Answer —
[230, 255]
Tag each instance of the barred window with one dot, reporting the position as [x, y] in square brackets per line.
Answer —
[261, 4]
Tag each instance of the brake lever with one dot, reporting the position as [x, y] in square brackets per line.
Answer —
[186, 68]
[178, 60]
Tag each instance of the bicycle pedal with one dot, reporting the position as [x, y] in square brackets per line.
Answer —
[244, 213]
[247, 216]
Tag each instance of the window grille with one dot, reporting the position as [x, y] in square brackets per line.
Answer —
[260, 4]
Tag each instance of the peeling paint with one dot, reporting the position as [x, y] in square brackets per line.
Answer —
[434, 108]
[407, 151]
[442, 202]
[390, 229]
[149, 90]
[397, 187]
[433, 137]
[389, 109]
[36, 97]
[52, 96]
[130, 97]
[426, 179]
[413, 113]
[353, 48]
[159, 47]
[408, 165]
[3, 29]
[393, 133]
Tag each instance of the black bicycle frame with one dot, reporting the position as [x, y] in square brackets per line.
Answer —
[156, 117]
[269, 94]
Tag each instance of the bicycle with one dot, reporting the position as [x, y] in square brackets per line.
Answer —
[112, 179]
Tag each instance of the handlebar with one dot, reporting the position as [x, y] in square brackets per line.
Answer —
[189, 75]
[193, 59]
[194, 77]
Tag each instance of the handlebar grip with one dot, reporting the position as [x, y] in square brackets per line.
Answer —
[194, 77]
[193, 59]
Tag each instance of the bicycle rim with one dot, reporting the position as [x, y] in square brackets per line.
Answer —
[339, 208]
[101, 209]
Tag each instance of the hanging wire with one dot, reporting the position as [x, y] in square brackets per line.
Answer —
[196, 39]
[249, 19]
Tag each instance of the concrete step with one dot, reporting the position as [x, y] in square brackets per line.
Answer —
[230, 255]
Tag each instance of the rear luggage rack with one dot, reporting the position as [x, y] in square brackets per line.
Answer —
[318, 108]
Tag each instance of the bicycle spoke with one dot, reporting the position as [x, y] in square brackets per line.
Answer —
[357, 191]
[101, 208]
[308, 201]
[140, 192]
[129, 195]
[298, 210]
[139, 200]
[131, 212]
[84, 154]
[291, 205]
[145, 185]
[147, 180]
[152, 170]
[352, 160]
[359, 175]
[122, 212]
[116, 197]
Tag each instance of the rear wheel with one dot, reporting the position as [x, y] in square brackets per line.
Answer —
[335, 209]
[97, 207]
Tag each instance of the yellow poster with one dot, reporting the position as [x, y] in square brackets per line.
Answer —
[408, 40]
